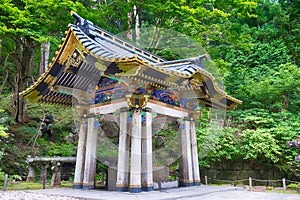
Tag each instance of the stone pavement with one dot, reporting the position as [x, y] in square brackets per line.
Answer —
[188, 193]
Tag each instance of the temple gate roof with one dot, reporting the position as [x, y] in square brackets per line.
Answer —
[88, 53]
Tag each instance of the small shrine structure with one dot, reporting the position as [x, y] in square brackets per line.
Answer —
[107, 78]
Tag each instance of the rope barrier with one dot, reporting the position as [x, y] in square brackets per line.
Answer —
[24, 177]
[239, 180]
[257, 180]
[293, 181]
[260, 180]
[210, 178]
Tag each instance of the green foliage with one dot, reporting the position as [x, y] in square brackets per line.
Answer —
[107, 148]
[252, 134]
[227, 145]
[2, 132]
[35, 19]
[63, 119]
[23, 185]
[17, 145]
[27, 130]
[101, 169]
[255, 45]
[55, 149]
[264, 78]
[259, 144]
[166, 146]
[2, 175]
[5, 118]
[292, 186]
[62, 150]
[279, 21]
[14, 177]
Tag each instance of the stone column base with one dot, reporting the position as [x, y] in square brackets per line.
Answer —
[88, 186]
[121, 187]
[186, 183]
[77, 185]
[135, 189]
[147, 188]
[197, 183]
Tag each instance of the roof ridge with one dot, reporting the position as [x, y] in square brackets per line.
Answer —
[91, 30]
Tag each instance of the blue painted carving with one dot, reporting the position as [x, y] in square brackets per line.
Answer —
[188, 103]
[104, 81]
[140, 91]
[119, 93]
[97, 124]
[102, 97]
[109, 89]
[165, 96]
[90, 95]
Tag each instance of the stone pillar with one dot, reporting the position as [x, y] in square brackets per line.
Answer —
[122, 173]
[31, 174]
[196, 173]
[43, 172]
[90, 156]
[147, 171]
[80, 157]
[135, 167]
[56, 173]
[186, 173]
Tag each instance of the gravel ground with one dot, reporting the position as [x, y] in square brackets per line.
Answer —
[192, 193]
[23, 195]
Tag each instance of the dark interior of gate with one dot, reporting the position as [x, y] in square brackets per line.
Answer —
[123, 98]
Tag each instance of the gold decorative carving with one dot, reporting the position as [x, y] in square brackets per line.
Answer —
[130, 68]
[100, 65]
[218, 96]
[172, 79]
[50, 80]
[74, 60]
[137, 101]
[70, 46]
[197, 81]
[33, 96]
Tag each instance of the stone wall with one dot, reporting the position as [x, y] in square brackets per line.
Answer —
[238, 171]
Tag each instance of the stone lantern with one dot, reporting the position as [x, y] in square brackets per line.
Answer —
[296, 144]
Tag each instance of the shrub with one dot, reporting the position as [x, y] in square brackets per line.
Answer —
[292, 186]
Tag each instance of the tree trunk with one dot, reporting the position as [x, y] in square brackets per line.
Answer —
[4, 82]
[137, 23]
[24, 52]
[129, 33]
[45, 51]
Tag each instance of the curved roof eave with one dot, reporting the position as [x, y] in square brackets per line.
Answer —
[31, 93]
